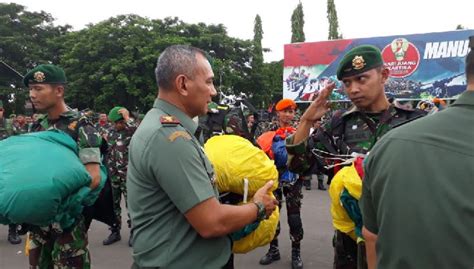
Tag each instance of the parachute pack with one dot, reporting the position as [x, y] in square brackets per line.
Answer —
[43, 181]
[243, 172]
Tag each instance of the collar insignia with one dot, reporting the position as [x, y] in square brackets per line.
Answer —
[169, 120]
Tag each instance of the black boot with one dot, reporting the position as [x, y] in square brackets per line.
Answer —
[113, 237]
[321, 185]
[307, 184]
[13, 237]
[296, 262]
[272, 255]
[130, 238]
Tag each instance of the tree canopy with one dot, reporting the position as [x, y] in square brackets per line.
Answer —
[297, 24]
[112, 62]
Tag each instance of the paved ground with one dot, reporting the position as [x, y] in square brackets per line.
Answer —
[316, 245]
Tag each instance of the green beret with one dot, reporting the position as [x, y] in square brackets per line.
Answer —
[359, 60]
[45, 74]
[114, 114]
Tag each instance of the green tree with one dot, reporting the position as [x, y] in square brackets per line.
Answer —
[112, 62]
[25, 41]
[460, 27]
[257, 42]
[274, 75]
[258, 80]
[332, 19]
[297, 24]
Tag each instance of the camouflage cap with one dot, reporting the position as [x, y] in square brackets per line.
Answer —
[359, 60]
[114, 114]
[45, 74]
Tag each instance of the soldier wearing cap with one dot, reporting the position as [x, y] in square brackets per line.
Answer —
[117, 163]
[290, 187]
[52, 246]
[363, 75]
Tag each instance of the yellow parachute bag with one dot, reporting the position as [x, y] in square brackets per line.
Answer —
[235, 159]
[262, 236]
[347, 178]
[242, 168]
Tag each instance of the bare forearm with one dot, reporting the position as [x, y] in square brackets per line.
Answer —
[94, 172]
[370, 241]
[302, 132]
[232, 218]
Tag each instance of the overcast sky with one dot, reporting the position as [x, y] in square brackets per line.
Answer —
[357, 18]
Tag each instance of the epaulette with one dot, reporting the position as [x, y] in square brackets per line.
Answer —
[169, 121]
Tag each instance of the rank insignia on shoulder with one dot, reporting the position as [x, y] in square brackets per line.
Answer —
[177, 134]
[169, 120]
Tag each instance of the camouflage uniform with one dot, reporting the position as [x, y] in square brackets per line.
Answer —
[347, 132]
[20, 129]
[104, 130]
[5, 129]
[293, 195]
[51, 246]
[117, 162]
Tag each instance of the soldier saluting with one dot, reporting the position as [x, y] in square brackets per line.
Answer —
[363, 75]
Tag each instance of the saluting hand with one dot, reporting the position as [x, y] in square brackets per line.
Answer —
[263, 195]
[125, 114]
[320, 105]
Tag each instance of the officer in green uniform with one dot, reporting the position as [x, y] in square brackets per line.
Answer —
[177, 219]
[117, 163]
[429, 224]
[363, 75]
[52, 246]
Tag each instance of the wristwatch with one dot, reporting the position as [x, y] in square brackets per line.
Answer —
[261, 213]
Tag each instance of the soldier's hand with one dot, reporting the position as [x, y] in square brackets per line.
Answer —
[320, 105]
[125, 114]
[264, 195]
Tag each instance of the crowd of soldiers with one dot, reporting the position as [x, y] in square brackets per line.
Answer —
[316, 143]
[116, 129]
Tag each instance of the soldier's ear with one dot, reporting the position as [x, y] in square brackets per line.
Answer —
[59, 89]
[180, 83]
[385, 74]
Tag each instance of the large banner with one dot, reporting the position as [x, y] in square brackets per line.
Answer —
[422, 66]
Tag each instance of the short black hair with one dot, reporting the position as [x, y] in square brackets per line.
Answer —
[173, 61]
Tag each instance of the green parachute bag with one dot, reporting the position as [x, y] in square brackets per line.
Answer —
[43, 181]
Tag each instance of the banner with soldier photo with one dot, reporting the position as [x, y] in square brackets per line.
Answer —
[422, 66]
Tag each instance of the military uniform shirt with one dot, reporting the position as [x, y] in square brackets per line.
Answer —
[168, 174]
[80, 128]
[418, 191]
[348, 132]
